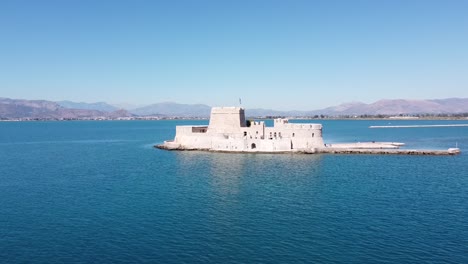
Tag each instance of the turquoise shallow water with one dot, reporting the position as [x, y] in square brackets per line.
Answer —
[81, 192]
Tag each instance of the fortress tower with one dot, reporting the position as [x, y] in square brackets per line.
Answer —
[226, 119]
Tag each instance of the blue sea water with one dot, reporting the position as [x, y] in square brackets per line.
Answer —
[98, 192]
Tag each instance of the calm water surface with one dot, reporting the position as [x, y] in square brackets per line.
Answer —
[93, 192]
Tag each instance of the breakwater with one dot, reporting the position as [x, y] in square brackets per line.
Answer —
[340, 150]
[450, 151]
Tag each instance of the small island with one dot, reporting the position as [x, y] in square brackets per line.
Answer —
[229, 131]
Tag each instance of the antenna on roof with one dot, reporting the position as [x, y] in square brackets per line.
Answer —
[240, 101]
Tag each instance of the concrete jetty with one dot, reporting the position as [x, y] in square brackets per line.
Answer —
[366, 145]
[339, 150]
[450, 151]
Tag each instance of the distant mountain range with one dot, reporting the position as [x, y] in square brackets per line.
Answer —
[18, 108]
[42, 109]
[382, 107]
[100, 106]
[399, 106]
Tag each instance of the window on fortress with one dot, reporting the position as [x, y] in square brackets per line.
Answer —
[245, 133]
[312, 134]
[293, 134]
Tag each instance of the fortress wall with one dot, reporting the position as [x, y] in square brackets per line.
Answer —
[276, 145]
[291, 133]
[230, 144]
[299, 126]
[269, 145]
[220, 144]
[307, 143]
[187, 138]
[195, 142]
[284, 123]
[182, 131]
[255, 132]
[302, 138]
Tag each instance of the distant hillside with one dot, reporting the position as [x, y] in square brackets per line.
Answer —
[100, 106]
[174, 109]
[16, 108]
[399, 106]
[382, 107]
[41, 109]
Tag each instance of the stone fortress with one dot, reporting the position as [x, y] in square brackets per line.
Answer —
[229, 131]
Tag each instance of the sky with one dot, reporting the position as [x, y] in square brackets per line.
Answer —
[284, 55]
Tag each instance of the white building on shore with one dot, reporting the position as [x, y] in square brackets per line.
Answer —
[229, 131]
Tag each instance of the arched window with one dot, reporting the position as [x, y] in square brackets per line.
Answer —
[253, 146]
[312, 134]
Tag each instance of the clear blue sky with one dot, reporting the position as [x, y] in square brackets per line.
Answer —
[273, 54]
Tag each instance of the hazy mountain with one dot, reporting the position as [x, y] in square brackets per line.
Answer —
[399, 106]
[42, 109]
[13, 108]
[174, 109]
[351, 107]
[383, 107]
[100, 106]
[453, 105]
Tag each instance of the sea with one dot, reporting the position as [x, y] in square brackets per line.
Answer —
[99, 192]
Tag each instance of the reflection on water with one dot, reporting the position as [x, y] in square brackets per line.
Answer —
[226, 172]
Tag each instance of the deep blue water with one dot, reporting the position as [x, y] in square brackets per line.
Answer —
[94, 192]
